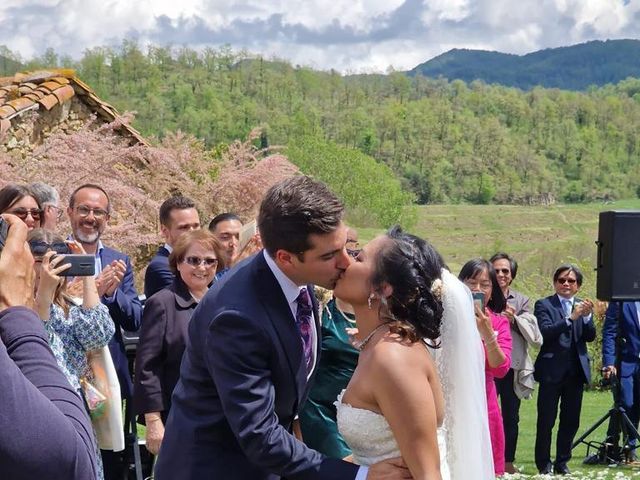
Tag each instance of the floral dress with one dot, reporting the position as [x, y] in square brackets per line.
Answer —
[72, 336]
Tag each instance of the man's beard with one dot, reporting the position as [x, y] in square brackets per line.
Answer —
[88, 239]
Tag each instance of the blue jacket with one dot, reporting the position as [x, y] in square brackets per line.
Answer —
[558, 338]
[630, 353]
[158, 274]
[126, 311]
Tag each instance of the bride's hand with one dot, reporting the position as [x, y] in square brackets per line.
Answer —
[391, 469]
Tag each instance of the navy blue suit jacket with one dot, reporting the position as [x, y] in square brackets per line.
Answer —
[630, 354]
[158, 274]
[126, 311]
[554, 359]
[242, 381]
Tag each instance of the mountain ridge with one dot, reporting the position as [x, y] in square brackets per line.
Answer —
[574, 67]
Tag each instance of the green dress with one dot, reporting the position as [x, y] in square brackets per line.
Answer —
[337, 362]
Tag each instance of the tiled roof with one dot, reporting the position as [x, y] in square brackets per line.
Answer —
[45, 89]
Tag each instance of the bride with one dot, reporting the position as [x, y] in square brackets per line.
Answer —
[403, 297]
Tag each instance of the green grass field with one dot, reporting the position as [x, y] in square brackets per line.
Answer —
[594, 406]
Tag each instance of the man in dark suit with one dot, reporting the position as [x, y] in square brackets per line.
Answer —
[177, 215]
[625, 317]
[562, 366]
[89, 210]
[252, 348]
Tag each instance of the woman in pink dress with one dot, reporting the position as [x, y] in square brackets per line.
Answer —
[480, 277]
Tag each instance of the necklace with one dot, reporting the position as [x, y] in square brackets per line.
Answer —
[368, 338]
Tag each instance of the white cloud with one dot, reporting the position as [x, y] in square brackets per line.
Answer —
[349, 35]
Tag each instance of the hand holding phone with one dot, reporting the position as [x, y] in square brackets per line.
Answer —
[478, 299]
[79, 265]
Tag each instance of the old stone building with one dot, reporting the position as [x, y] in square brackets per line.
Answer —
[35, 105]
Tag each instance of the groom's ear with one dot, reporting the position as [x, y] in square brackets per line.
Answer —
[284, 259]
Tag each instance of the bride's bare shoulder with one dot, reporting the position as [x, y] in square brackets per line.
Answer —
[393, 353]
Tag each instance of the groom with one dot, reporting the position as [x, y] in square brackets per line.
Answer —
[252, 348]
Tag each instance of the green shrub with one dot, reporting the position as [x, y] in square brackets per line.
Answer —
[372, 193]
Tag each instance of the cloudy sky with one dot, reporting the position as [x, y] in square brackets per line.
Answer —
[348, 35]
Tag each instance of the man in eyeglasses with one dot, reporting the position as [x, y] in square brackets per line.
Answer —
[89, 211]
[49, 199]
[562, 366]
[177, 215]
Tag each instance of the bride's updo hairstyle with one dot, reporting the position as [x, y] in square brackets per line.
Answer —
[410, 266]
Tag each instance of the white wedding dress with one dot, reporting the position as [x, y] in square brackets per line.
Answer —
[370, 438]
[463, 440]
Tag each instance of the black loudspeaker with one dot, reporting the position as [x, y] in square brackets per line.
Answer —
[618, 255]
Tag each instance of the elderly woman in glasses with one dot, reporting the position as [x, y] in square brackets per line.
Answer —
[195, 259]
[480, 276]
[20, 201]
[74, 327]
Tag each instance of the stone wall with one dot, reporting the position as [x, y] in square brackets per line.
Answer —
[30, 129]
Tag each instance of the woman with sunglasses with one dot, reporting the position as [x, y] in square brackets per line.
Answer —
[480, 277]
[195, 259]
[74, 328]
[18, 200]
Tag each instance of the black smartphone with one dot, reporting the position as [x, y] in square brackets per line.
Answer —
[81, 265]
[478, 298]
[4, 231]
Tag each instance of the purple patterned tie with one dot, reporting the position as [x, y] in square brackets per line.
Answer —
[304, 317]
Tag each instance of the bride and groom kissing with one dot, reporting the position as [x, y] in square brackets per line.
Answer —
[416, 405]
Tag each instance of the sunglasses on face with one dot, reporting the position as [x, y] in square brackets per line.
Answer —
[504, 271]
[570, 281]
[23, 213]
[353, 253]
[39, 248]
[197, 261]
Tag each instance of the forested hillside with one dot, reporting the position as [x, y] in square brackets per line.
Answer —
[576, 67]
[449, 142]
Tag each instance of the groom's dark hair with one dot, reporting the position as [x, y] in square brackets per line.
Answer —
[295, 208]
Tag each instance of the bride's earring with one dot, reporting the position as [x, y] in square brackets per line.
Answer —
[370, 299]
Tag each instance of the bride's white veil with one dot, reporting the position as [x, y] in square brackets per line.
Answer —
[461, 364]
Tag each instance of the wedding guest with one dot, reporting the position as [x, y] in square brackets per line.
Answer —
[562, 366]
[226, 228]
[518, 383]
[178, 214]
[73, 330]
[20, 201]
[479, 276]
[49, 199]
[194, 260]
